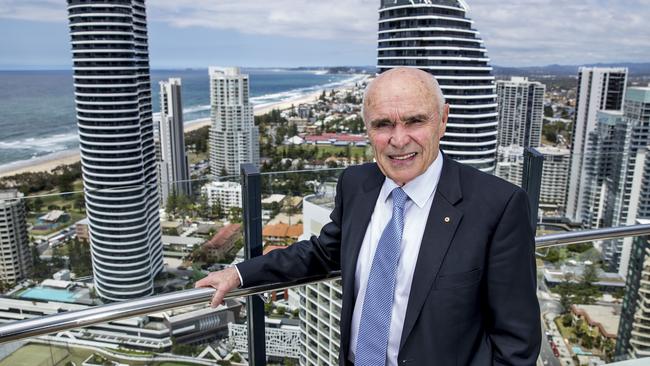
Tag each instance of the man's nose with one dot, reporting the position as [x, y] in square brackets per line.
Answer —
[400, 136]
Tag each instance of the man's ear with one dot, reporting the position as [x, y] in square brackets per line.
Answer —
[443, 120]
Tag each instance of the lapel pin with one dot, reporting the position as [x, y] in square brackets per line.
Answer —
[447, 219]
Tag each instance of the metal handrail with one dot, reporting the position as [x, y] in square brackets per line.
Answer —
[122, 310]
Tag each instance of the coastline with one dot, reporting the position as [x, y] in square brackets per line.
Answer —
[47, 163]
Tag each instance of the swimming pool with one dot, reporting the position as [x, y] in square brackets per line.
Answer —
[48, 294]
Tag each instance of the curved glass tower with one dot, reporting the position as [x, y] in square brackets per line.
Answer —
[437, 36]
[113, 99]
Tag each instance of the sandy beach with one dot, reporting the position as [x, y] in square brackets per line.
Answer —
[49, 162]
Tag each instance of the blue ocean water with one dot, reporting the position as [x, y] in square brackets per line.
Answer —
[37, 111]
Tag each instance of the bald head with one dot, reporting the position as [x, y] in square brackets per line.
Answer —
[399, 80]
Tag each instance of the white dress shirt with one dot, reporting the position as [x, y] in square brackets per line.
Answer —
[420, 191]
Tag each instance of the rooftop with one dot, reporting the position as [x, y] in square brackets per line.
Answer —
[7, 194]
[181, 240]
[282, 230]
[606, 318]
[225, 234]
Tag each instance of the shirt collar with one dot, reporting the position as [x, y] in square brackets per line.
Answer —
[419, 189]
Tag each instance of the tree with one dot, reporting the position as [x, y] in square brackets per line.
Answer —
[293, 130]
[548, 111]
[79, 202]
[4, 286]
[58, 262]
[217, 209]
[589, 275]
[37, 204]
[203, 206]
[80, 258]
[235, 214]
[236, 357]
[170, 207]
[41, 270]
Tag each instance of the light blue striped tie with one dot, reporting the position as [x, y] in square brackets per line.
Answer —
[374, 326]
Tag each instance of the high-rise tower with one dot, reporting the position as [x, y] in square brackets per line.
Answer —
[629, 200]
[113, 99]
[15, 258]
[437, 36]
[633, 339]
[521, 110]
[234, 138]
[174, 167]
[598, 89]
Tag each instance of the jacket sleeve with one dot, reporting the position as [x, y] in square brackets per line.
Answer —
[316, 256]
[513, 321]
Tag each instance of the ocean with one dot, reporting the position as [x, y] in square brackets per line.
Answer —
[37, 111]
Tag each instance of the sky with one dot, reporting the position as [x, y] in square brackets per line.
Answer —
[289, 33]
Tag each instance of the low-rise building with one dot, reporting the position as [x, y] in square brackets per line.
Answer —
[81, 230]
[179, 246]
[599, 317]
[282, 338]
[222, 242]
[281, 233]
[227, 194]
[152, 333]
[607, 281]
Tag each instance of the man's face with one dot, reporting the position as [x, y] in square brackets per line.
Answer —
[404, 125]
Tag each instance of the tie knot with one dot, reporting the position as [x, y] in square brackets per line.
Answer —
[399, 197]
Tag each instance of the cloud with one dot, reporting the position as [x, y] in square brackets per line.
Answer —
[347, 20]
[516, 32]
[34, 10]
[540, 32]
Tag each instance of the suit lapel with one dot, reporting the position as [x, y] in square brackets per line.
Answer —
[441, 226]
[361, 208]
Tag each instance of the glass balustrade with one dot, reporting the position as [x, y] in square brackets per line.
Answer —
[589, 300]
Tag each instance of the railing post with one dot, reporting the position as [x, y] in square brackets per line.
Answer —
[252, 211]
[531, 180]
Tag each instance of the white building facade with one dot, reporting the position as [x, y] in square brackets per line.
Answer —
[598, 89]
[320, 304]
[15, 256]
[555, 175]
[234, 138]
[227, 194]
[630, 198]
[116, 142]
[173, 166]
[521, 111]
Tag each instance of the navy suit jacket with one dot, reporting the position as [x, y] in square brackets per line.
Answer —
[473, 298]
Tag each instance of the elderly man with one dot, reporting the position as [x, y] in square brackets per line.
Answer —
[437, 258]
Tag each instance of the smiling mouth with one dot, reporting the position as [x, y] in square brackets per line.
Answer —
[402, 157]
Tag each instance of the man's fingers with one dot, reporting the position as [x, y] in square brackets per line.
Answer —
[217, 299]
[204, 282]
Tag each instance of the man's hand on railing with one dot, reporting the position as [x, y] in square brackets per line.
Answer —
[222, 281]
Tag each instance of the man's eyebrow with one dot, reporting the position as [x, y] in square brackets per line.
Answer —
[380, 122]
[416, 118]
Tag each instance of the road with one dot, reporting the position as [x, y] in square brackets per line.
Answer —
[549, 308]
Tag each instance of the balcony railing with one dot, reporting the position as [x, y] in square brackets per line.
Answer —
[123, 310]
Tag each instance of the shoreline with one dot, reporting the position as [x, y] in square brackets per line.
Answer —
[49, 162]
